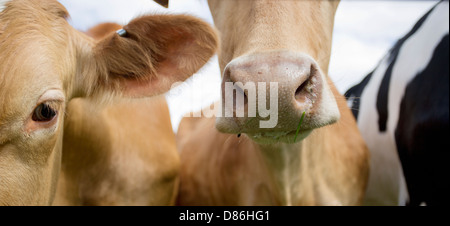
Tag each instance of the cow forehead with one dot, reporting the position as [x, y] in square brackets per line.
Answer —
[29, 60]
[24, 77]
[33, 33]
[32, 19]
[263, 25]
[36, 54]
[35, 11]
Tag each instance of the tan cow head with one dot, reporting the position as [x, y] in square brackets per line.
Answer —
[44, 63]
[275, 56]
[287, 43]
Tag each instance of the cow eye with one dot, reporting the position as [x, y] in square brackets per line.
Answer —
[43, 113]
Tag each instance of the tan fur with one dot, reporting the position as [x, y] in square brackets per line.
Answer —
[44, 60]
[329, 167]
[122, 154]
[119, 154]
[31, 61]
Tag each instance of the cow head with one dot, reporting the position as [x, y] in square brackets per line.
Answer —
[276, 53]
[44, 63]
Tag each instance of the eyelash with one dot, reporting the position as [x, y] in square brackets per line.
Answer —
[44, 112]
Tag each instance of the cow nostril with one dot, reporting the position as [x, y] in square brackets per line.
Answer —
[302, 91]
[306, 87]
[298, 92]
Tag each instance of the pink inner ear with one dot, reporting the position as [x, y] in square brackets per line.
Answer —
[174, 68]
[159, 84]
[159, 51]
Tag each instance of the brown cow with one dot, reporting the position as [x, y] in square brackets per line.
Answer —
[45, 63]
[288, 42]
[113, 155]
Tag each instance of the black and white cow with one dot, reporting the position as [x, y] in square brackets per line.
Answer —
[402, 109]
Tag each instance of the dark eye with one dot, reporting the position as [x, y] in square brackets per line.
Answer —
[43, 113]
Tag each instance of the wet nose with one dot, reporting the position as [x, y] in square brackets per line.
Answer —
[298, 82]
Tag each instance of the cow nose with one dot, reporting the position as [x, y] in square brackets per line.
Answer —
[298, 82]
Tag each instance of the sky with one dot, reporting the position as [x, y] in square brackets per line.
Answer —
[363, 33]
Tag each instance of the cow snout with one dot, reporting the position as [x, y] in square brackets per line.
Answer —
[266, 95]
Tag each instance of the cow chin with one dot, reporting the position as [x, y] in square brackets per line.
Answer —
[279, 137]
[267, 136]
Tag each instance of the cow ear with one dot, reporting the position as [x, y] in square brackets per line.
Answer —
[152, 52]
[164, 3]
